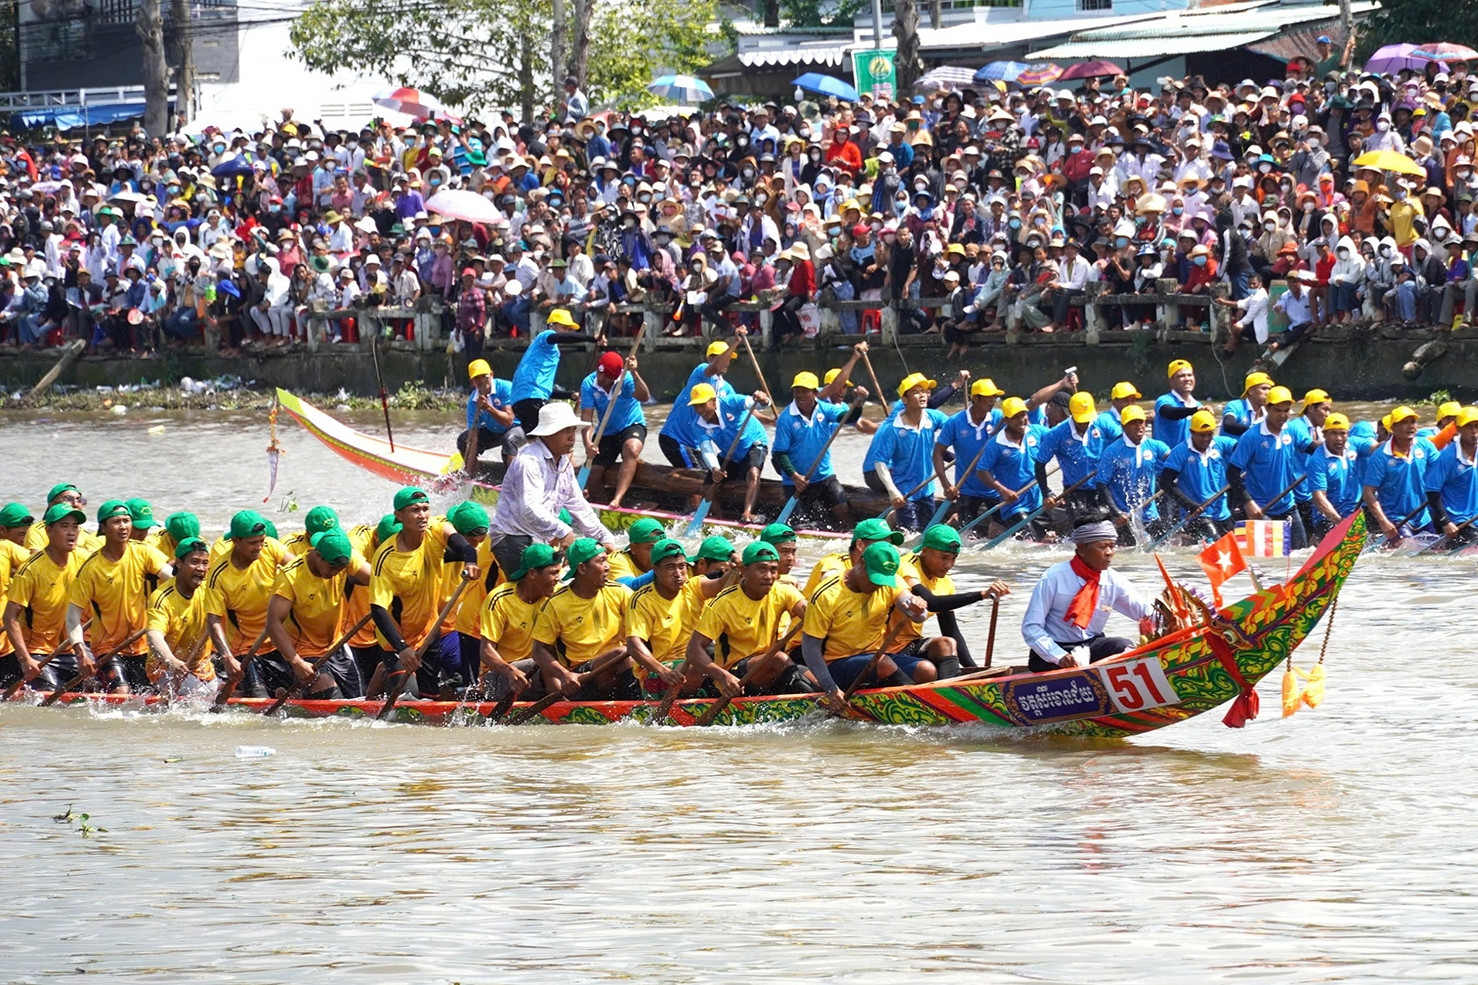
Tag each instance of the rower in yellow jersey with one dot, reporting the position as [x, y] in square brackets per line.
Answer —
[238, 589]
[664, 614]
[406, 594]
[35, 616]
[864, 535]
[63, 493]
[177, 528]
[364, 647]
[636, 559]
[112, 588]
[316, 521]
[743, 623]
[783, 539]
[15, 522]
[584, 623]
[465, 621]
[179, 634]
[507, 627]
[307, 615]
[926, 573]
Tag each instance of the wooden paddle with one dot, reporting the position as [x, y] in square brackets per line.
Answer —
[384, 400]
[791, 503]
[871, 664]
[990, 640]
[696, 524]
[1011, 530]
[759, 372]
[97, 666]
[1019, 492]
[718, 706]
[1380, 541]
[908, 495]
[169, 692]
[297, 689]
[229, 688]
[1430, 547]
[878, 387]
[10, 692]
[431, 637]
[939, 513]
[605, 418]
[557, 696]
[1154, 544]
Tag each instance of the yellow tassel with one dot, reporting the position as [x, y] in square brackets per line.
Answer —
[1314, 691]
[1292, 695]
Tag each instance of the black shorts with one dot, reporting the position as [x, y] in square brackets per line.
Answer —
[127, 671]
[610, 444]
[918, 648]
[672, 450]
[824, 492]
[752, 457]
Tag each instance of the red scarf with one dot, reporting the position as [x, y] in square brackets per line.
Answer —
[1080, 610]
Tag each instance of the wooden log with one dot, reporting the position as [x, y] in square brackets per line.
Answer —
[69, 355]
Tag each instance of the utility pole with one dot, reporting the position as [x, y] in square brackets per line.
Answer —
[557, 55]
[184, 76]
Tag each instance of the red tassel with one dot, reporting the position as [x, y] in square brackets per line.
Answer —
[1243, 709]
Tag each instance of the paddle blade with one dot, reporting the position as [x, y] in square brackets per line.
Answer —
[696, 524]
[786, 511]
[453, 464]
[583, 476]
[1292, 693]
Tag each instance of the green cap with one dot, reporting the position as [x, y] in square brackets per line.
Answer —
[876, 529]
[247, 523]
[646, 531]
[565, 518]
[319, 519]
[182, 526]
[15, 515]
[942, 537]
[409, 495]
[333, 546]
[468, 518]
[189, 546]
[271, 528]
[581, 551]
[141, 512]
[57, 512]
[112, 508]
[666, 548]
[715, 548]
[387, 527]
[57, 490]
[534, 556]
[777, 533]
[881, 561]
[760, 551]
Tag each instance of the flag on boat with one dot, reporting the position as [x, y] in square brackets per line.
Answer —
[1222, 560]
[1265, 538]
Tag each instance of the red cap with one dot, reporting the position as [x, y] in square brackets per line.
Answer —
[612, 364]
[859, 230]
[468, 272]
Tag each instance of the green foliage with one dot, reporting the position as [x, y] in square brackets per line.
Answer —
[1417, 22]
[83, 821]
[633, 43]
[1439, 397]
[820, 13]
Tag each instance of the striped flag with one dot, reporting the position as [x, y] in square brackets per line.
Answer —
[1265, 538]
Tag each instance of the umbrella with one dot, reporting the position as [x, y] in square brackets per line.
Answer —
[1445, 51]
[126, 195]
[680, 88]
[1001, 72]
[458, 203]
[411, 102]
[826, 85]
[232, 167]
[1389, 160]
[946, 77]
[1039, 75]
[1393, 58]
[1089, 70]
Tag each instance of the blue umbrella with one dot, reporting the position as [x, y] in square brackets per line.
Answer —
[1001, 72]
[826, 85]
[235, 167]
[680, 88]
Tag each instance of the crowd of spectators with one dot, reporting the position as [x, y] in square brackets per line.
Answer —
[998, 203]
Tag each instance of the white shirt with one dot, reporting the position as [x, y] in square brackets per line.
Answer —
[1255, 309]
[535, 489]
[1045, 624]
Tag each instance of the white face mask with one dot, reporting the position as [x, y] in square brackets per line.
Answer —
[1383, 125]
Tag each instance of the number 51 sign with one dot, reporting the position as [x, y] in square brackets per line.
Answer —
[1137, 685]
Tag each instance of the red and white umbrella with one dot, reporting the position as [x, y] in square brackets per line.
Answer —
[411, 102]
[458, 203]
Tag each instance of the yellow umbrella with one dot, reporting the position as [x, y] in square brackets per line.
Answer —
[1389, 160]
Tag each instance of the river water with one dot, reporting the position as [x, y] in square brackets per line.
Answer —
[1337, 845]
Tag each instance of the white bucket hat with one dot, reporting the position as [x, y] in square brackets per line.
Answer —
[555, 417]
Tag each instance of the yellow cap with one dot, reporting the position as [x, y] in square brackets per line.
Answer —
[1280, 395]
[1256, 379]
[1385, 422]
[807, 380]
[1317, 396]
[717, 349]
[986, 387]
[701, 393]
[1336, 422]
[1202, 422]
[1012, 406]
[915, 379]
[1466, 416]
[1081, 407]
[832, 374]
[1400, 414]
[1450, 409]
[478, 367]
[559, 316]
[1176, 365]
[1133, 412]
[1124, 389]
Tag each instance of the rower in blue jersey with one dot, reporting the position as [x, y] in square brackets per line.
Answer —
[1307, 437]
[1395, 476]
[1264, 465]
[965, 434]
[1248, 410]
[490, 417]
[1196, 473]
[678, 434]
[1452, 482]
[904, 461]
[625, 430]
[729, 422]
[801, 454]
[1077, 444]
[533, 380]
[1334, 475]
[937, 398]
[1123, 395]
[1010, 467]
[1172, 423]
[1128, 471]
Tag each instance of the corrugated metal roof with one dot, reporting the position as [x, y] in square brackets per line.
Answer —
[1118, 50]
[990, 34]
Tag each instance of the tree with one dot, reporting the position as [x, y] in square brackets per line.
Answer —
[813, 13]
[184, 60]
[906, 29]
[1419, 22]
[149, 24]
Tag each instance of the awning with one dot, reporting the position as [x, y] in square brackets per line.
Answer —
[835, 54]
[1157, 47]
[73, 117]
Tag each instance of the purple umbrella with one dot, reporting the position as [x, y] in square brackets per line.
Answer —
[1394, 57]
